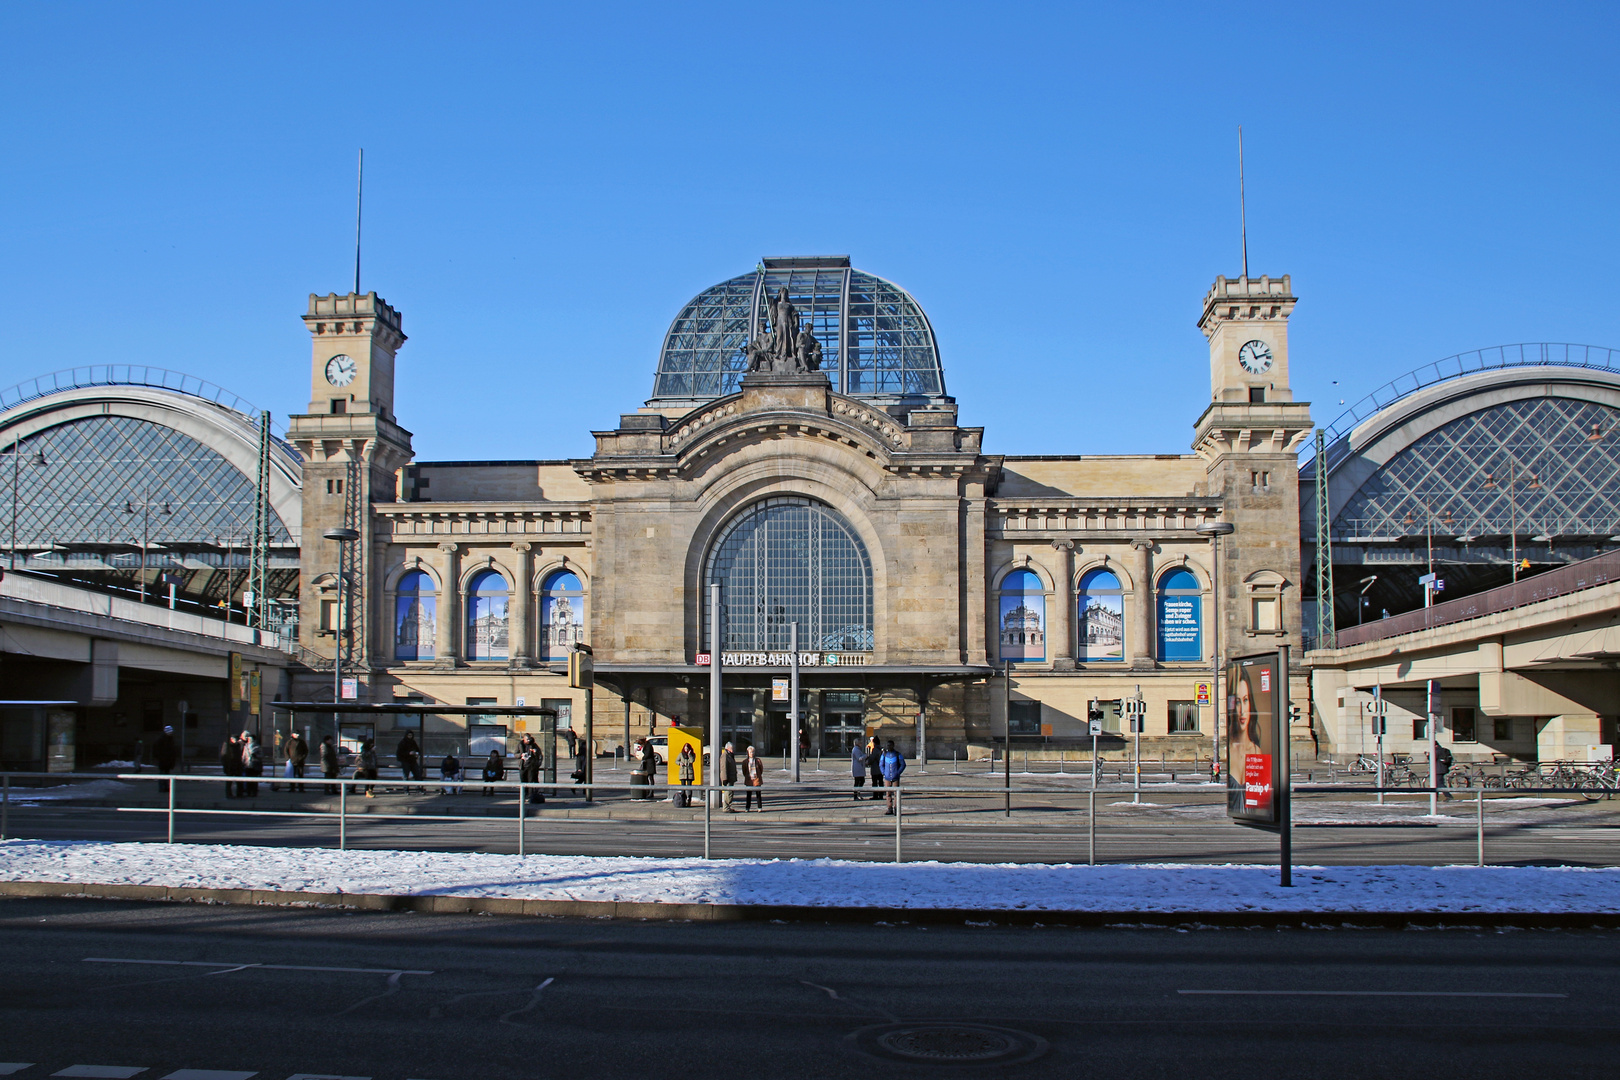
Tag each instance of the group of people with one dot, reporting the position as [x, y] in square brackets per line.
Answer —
[885, 763]
[239, 756]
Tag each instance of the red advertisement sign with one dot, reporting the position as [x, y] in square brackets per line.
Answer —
[1257, 788]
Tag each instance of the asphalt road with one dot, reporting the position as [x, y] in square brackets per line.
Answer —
[145, 990]
[1579, 835]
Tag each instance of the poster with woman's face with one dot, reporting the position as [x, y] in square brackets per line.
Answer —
[1251, 698]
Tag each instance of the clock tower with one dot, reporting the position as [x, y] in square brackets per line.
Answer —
[352, 449]
[1249, 438]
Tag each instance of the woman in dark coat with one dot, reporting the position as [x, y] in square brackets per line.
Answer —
[494, 770]
[873, 753]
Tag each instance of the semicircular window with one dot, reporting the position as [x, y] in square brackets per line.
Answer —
[416, 609]
[785, 561]
[1180, 621]
[1101, 623]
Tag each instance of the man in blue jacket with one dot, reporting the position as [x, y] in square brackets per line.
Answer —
[892, 764]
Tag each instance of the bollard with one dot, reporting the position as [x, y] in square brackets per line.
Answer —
[522, 814]
[1091, 828]
[1479, 827]
[708, 803]
[343, 815]
[5, 806]
[896, 790]
[172, 783]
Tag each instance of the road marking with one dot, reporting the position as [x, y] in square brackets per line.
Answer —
[227, 968]
[1368, 993]
[534, 999]
[102, 1072]
[9, 1067]
[209, 1074]
[324, 1076]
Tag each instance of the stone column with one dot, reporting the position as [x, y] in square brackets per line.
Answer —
[1142, 597]
[1060, 639]
[444, 633]
[519, 644]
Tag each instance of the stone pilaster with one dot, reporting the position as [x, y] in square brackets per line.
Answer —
[444, 633]
[1142, 599]
[1060, 639]
[518, 632]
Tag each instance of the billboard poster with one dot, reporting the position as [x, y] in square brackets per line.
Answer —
[1101, 629]
[1254, 752]
[1023, 617]
[1181, 602]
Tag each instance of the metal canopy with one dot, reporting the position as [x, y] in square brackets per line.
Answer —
[413, 707]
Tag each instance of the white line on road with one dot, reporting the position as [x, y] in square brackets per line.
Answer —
[101, 1072]
[1367, 993]
[209, 1074]
[9, 1067]
[228, 967]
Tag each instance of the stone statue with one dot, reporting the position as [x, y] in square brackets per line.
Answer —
[807, 351]
[789, 348]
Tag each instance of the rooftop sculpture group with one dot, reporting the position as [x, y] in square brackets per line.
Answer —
[789, 348]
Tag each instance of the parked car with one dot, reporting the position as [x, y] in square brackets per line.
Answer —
[660, 745]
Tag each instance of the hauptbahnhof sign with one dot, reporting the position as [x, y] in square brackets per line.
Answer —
[783, 659]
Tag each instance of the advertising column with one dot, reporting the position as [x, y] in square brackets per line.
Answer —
[1257, 746]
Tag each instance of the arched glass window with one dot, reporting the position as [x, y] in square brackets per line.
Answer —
[486, 617]
[1023, 616]
[562, 615]
[416, 610]
[1180, 617]
[1101, 621]
[788, 560]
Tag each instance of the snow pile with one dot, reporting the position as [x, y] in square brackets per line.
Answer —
[88, 789]
[1167, 888]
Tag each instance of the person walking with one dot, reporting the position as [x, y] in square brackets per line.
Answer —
[686, 762]
[580, 761]
[230, 763]
[873, 752]
[450, 773]
[409, 756]
[728, 777]
[857, 767]
[753, 780]
[494, 770]
[165, 753]
[1442, 765]
[367, 769]
[530, 761]
[330, 764]
[297, 758]
[649, 768]
[252, 763]
[892, 764]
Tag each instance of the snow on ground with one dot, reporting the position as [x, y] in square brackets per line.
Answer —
[821, 882]
[89, 789]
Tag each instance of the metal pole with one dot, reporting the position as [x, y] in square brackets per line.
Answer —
[1282, 771]
[14, 465]
[1479, 827]
[590, 742]
[1378, 727]
[793, 695]
[1006, 724]
[1434, 725]
[1136, 728]
[1091, 826]
[522, 815]
[5, 806]
[714, 693]
[708, 806]
[897, 816]
[343, 814]
[1215, 648]
[172, 783]
[1094, 761]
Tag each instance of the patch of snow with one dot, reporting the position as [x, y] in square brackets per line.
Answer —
[1167, 888]
[88, 789]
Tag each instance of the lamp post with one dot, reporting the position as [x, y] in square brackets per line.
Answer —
[1515, 477]
[145, 510]
[16, 468]
[1215, 530]
[1361, 598]
[340, 632]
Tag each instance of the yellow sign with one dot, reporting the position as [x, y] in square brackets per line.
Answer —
[255, 694]
[236, 680]
[1205, 695]
[685, 736]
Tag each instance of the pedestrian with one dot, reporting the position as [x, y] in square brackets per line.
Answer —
[166, 754]
[1442, 765]
[297, 758]
[450, 770]
[873, 753]
[649, 768]
[494, 770]
[330, 765]
[753, 780]
[530, 761]
[857, 767]
[580, 761]
[728, 776]
[252, 762]
[892, 764]
[368, 766]
[686, 761]
[230, 763]
[409, 756]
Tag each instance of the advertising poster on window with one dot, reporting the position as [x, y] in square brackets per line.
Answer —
[1254, 695]
[1178, 629]
[1023, 617]
[1102, 627]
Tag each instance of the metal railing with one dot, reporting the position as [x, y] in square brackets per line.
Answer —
[903, 797]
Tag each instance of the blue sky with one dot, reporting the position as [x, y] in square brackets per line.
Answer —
[547, 184]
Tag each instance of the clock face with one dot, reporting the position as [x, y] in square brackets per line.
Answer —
[341, 370]
[1255, 356]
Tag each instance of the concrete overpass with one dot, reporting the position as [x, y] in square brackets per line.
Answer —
[1529, 670]
[126, 668]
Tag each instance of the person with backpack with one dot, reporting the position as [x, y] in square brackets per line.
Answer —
[891, 763]
[409, 756]
[530, 761]
[1442, 766]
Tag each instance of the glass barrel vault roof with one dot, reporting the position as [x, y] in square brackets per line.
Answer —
[876, 341]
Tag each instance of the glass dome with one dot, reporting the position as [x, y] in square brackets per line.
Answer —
[876, 341]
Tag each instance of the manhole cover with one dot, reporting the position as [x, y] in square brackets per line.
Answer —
[949, 1043]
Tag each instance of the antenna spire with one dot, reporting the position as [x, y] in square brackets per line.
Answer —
[359, 202]
[1243, 209]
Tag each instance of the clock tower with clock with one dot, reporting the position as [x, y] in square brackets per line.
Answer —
[352, 448]
[1249, 437]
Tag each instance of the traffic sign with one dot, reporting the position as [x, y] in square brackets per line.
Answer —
[1205, 693]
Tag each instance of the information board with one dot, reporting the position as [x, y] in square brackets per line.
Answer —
[1256, 687]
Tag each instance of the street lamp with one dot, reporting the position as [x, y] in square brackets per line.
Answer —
[1215, 530]
[145, 510]
[1516, 478]
[16, 455]
[1361, 600]
[340, 631]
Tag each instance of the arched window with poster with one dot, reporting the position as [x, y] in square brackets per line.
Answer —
[1180, 618]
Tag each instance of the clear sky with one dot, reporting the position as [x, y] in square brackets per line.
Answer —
[547, 184]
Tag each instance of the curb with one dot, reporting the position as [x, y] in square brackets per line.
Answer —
[608, 909]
